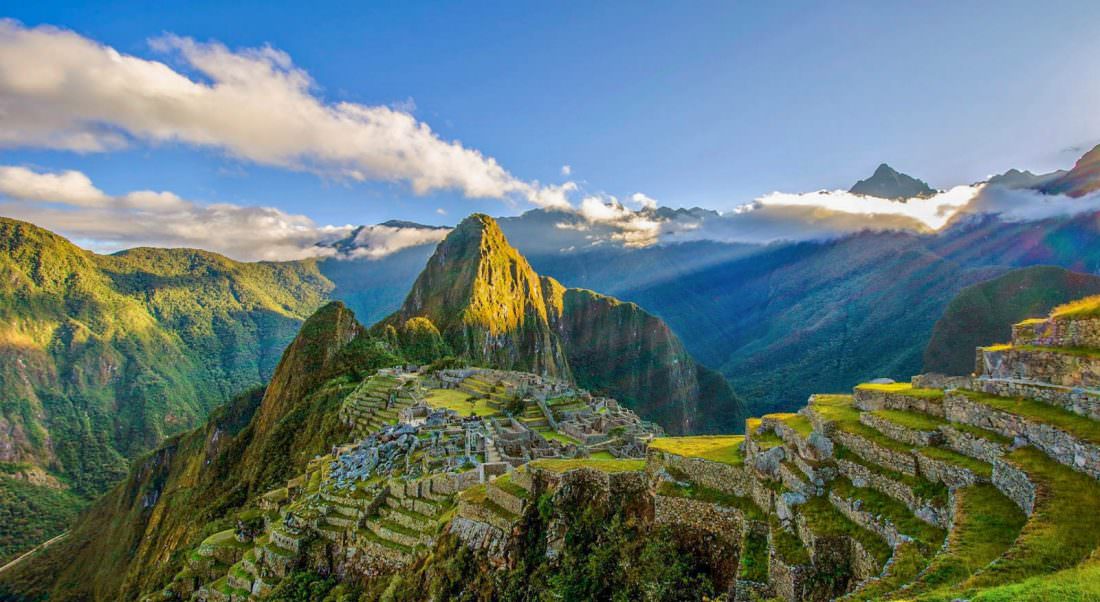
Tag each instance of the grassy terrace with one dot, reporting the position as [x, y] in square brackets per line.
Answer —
[902, 389]
[838, 409]
[712, 496]
[1079, 426]
[986, 524]
[800, 424]
[459, 401]
[826, 521]
[1061, 532]
[911, 420]
[907, 563]
[886, 507]
[936, 493]
[504, 483]
[559, 437]
[725, 449]
[602, 464]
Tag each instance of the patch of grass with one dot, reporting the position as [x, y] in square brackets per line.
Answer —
[1077, 584]
[908, 561]
[504, 482]
[716, 448]
[766, 440]
[459, 401]
[825, 521]
[981, 433]
[936, 493]
[754, 557]
[906, 389]
[799, 423]
[616, 465]
[1079, 426]
[978, 467]
[1061, 532]
[712, 496]
[787, 545]
[911, 420]
[986, 524]
[886, 507]
[560, 438]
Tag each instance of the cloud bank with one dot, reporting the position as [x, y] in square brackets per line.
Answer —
[69, 202]
[60, 90]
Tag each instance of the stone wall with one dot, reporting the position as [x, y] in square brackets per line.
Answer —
[972, 445]
[1085, 402]
[1056, 443]
[877, 454]
[870, 400]
[861, 476]
[935, 380]
[1069, 370]
[723, 521]
[1015, 485]
[901, 433]
[1058, 333]
[734, 480]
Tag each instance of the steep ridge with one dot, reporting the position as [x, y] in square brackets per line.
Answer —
[1083, 179]
[492, 308]
[132, 539]
[982, 314]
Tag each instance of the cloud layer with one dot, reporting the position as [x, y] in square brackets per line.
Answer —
[68, 202]
[60, 90]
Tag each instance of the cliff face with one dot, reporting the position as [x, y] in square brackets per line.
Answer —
[617, 346]
[492, 308]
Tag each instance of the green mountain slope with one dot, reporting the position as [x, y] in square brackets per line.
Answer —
[102, 357]
[983, 314]
[133, 538]
[491, 307]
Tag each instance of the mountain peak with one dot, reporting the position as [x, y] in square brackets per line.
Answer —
[888, 183]
[1083, 179]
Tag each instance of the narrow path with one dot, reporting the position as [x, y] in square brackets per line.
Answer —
[41, 546]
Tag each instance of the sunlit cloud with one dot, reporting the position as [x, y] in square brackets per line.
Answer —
[60, 90]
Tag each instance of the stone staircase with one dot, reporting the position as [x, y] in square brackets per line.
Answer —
[907, 491]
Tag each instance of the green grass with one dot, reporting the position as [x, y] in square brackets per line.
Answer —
[1079, 584]
[911, 420]
[1061, 532]
[986, 524]
[712, 496]
[1084, 352]
[886, 507]
[605, 465]
[754, 558]
[560, 437]
[800, 424]
[982, 433]
[459, 401]
[906, 389]
[504, 483]
[725, 449]
[766, 440]
[602, 455]
[787, 545]
[978, 467]
[1079, 426]
[907, 563]
[825, 521]
[935, 493]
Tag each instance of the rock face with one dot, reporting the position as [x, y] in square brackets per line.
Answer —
[492, 308]
[886, 183]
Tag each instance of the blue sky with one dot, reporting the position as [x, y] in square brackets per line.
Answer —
[709, 104]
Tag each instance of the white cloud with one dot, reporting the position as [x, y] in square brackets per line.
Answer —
[1024, 205]
[644, 201]
[61, 90]
[441, 211]
[933, 211]
[68, 202]
[566, 170]
[378, 241]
